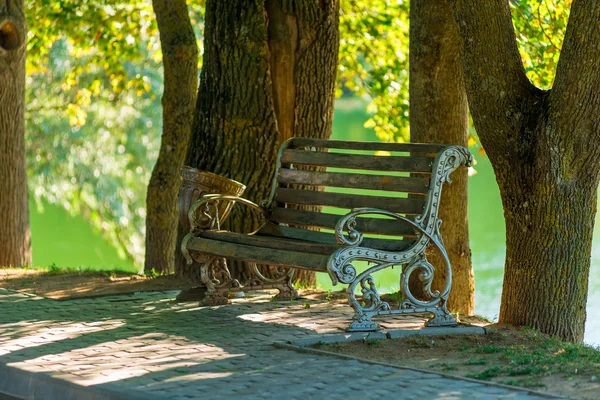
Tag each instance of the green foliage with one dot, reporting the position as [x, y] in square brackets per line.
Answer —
[99, 165]
[374, 54]
[95, 79]
[374, 61]
[99, 34]
[541, 356]
[540, 28]
[93, 111]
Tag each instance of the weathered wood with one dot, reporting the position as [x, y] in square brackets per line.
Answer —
[354, 181]
[261, 255]
[329, 238]
[357, 161]
[281, 243]
[372, 146]
[346, 200]
[329, 221]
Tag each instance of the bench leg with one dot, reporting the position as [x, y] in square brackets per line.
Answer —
[286, 288]
[441, 317]
[369, 307]
[217, 278]
[282, 282]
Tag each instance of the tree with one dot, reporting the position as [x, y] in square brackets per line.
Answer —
[438, 114]
[180, 60]
[544, 147]
[374, 60]
[15, 243]
[269, 73]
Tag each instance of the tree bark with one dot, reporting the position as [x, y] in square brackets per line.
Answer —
[438, 114]
[269, 73]
[549, 242]
[544, 147]
[180, 60]
[15, 237]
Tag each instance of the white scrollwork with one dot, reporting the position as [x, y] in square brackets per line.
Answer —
[340, 269]
[427, 227]
[348, 223]
[370, 296]
[444, 164]
[426, 272]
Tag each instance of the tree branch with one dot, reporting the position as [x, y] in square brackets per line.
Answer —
[497, 87]
[541, 22]
[575, 97]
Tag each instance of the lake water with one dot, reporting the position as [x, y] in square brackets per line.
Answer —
[487, 232]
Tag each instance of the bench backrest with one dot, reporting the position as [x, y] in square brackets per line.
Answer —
[342, 175]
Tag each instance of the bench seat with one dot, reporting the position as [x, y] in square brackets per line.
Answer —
[265, 249]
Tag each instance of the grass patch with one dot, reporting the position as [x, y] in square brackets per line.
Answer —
[521, 357]
[487, 374]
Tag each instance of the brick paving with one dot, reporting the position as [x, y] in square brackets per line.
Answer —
[147, 346]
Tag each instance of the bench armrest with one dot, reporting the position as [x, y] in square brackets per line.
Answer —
[354, 238]
[211, 217]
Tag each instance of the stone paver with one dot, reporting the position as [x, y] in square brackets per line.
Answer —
[147, 346]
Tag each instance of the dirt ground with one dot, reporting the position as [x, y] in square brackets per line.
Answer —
[60, 286]
[504, 355]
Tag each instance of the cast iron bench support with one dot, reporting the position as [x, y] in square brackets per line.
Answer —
[385, 231]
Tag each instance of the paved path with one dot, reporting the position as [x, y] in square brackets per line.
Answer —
[146, 346]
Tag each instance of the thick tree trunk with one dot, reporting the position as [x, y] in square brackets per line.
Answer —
[545, 150]
[180, 60]
[549, 228]
[15, 238]
[438, 114]
[269, 73]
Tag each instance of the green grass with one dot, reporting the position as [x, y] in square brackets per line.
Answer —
[58, 270]
[488, 349]
[475, 361]
[487, 374]
[538, 356]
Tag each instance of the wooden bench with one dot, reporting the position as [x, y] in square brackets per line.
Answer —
[334, 203]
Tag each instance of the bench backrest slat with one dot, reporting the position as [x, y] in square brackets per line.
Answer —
[371, 146]
[328, 221]
[347, 200]
[357, 161]
[324, 237]
[316, 173]
[355, 181]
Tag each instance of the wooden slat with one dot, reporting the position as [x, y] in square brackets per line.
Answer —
[355, 161]
[324, 237]
[374, 146]
[315, 262]
[281, 243]
[355, 181]
[329, 221]
[344, 200]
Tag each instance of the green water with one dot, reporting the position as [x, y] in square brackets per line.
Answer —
[71, 242]
[67, 241]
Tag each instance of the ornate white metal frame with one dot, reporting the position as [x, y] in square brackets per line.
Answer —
[427, 228]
